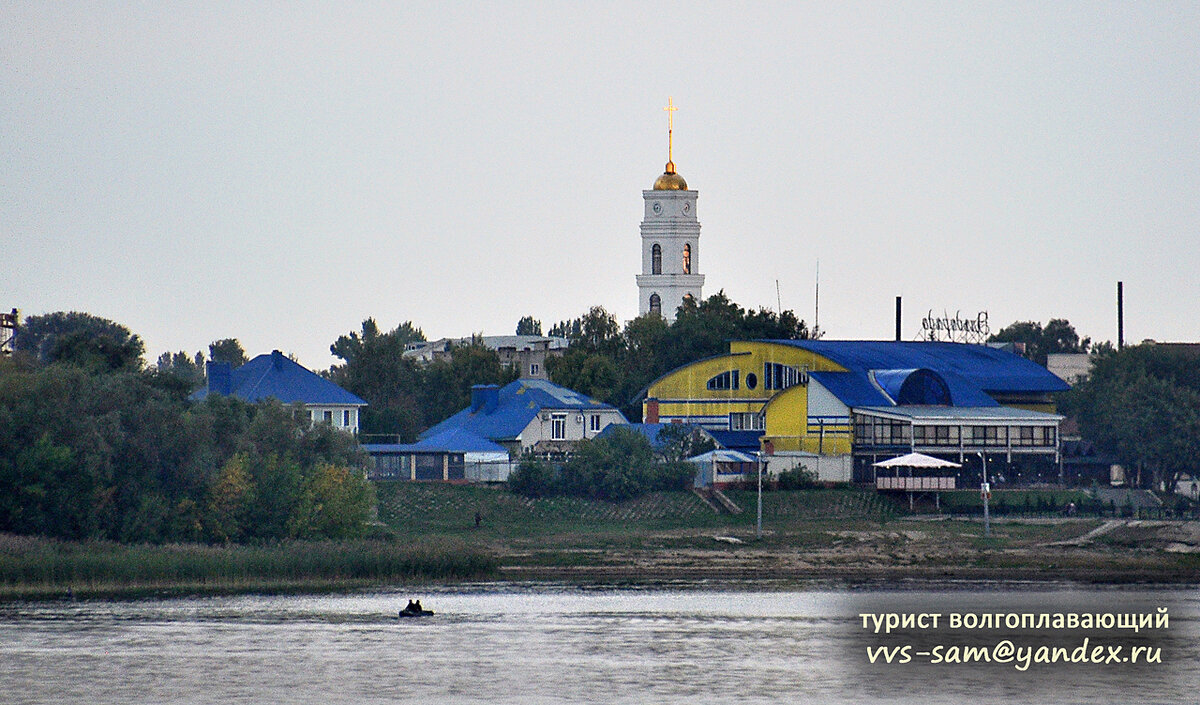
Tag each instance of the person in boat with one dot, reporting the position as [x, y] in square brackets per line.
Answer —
[411, 607]
[417, 606]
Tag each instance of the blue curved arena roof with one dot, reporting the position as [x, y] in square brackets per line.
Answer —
[984, 368]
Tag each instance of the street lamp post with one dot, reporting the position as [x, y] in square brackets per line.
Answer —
[758, 525]
[985, 490]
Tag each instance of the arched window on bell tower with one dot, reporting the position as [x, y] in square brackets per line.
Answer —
[655, 303]
[656, 259]
[687, 259]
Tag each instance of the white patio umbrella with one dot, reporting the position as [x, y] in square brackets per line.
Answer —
[916, 460]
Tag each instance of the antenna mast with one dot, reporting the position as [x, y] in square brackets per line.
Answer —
[816, 331]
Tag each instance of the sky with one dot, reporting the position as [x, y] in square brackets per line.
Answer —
[277, 172]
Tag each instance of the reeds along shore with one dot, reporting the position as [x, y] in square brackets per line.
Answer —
[39, 567]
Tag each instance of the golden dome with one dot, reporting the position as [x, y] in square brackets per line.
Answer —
[670, 181]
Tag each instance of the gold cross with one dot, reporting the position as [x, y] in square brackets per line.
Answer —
[670, 126]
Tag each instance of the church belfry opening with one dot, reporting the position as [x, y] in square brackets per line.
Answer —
[670, 239]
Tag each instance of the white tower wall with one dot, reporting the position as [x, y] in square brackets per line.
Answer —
[670, 222]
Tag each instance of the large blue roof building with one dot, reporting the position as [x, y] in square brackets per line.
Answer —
[869, 399]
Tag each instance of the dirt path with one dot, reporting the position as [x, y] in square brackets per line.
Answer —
[1104, 528]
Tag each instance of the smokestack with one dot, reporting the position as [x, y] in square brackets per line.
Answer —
[897, 319]
[1120, 315]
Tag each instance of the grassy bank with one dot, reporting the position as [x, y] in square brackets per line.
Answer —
[418, 509]
[429, 533]
[844, 534]
[37, 567]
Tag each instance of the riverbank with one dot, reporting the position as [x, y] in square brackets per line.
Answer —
[428, 534]
[848, 535]
[911, 550]
[38, 568]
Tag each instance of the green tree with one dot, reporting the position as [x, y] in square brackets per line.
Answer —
[227, 350]
[230, 500]
[446, 387]
[1058, 336]
[596, 332]
[591, 373]
[375, 369]
[350, 346]
[616, 467]
[533, 479]
[336, 504]
[1142, 405]
[528, 325]
[81, 339]
[682, 441]
[189, 370]
[118, 455]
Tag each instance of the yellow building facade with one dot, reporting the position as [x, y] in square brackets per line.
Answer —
[757, 386]
[814, 396]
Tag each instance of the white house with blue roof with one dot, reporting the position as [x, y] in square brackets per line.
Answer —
[276, 376]
[531, 415]
[485, 441]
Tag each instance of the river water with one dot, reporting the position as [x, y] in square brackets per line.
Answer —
[521, 643]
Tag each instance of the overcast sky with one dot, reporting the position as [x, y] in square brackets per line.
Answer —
[277, 172]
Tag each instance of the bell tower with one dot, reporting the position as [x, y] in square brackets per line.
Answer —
[670, 240]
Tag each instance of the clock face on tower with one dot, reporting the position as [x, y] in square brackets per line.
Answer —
[657, 208]
[687, 208]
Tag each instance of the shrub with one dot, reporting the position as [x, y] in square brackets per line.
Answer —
[798, 478]
[675, 475]
[534, 478]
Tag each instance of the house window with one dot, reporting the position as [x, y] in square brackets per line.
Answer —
[687, 259]
[534, 369]
[655, 305]
[346, 418]
[725, 380]
[558, 427]
[594, 424]
[656, 259]
[328, 417]
[777, 376]
[745, 421]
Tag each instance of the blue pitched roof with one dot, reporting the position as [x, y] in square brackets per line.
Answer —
[736, 440]
[985, 368]
[851, 388]
[454, 440]
[275, 376]
[649, 430]
[517, 404]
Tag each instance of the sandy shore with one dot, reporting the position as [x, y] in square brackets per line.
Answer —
[1084, 551]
